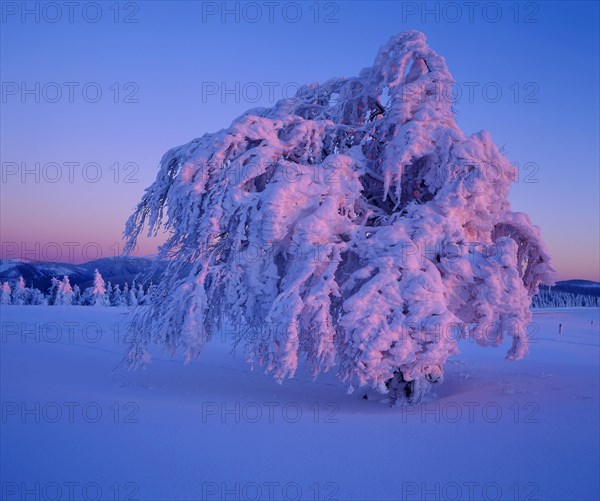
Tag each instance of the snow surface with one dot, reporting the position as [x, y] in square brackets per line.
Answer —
[545, 444]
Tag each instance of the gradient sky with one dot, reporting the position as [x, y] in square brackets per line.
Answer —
[176, 49]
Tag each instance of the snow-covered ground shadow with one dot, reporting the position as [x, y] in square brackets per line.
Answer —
[71, 415]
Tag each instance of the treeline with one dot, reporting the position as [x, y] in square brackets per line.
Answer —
[548, 298]
[61, 293]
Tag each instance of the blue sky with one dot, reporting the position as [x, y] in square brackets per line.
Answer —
[541, 56]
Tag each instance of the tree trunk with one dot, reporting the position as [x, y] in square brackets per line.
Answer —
[413, 391]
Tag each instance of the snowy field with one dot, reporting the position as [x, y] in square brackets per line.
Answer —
[77, 426]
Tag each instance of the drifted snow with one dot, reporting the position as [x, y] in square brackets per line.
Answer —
[369, 174]
[533, 426]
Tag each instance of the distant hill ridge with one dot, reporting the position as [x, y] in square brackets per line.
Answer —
[144, 269]
[576, 286]
[113, 269]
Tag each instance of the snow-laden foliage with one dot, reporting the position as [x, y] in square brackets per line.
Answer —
[355, 224]
[23, 295]
[64, 293]
[76, 295]
[561, 299]
[5, 293]
[118, 298]
[53, 290]
[20, 294]
[96, 295]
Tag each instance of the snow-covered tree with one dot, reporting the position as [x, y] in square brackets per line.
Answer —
[141, 295]
[133, 296]
[561, 299]
[37, 297]
[5, 294]
[21, 294]
[125, 296]
[97, 294]
[76, 295]
[146, 298]
[64, 293]
[354, 222]
[109, 293]
[117, 297]
[53, 290]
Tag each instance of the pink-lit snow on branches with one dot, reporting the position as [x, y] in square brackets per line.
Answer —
[373, 226]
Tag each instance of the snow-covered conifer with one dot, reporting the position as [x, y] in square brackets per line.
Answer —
[21, 294]
[97, 294]
[5, 294]
[76, 295]
[53, 290]
[64, 293]
[37, 297]
[133, 295]
[125, 296]
[116, 298]
[141, 295]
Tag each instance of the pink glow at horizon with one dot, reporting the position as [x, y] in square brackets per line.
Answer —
[87, 245]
